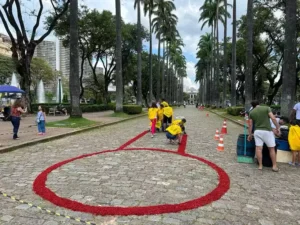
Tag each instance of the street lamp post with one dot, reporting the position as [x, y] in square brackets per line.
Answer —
[59, 89]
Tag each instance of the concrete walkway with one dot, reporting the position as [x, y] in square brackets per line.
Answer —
[130, 179]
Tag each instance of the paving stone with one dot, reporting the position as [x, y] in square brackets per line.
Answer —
[167, 220]
[265, 222]
[23, 207]
[6, 218]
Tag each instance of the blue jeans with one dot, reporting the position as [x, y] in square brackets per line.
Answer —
[170, 136]
[16, 124]
[41, 126]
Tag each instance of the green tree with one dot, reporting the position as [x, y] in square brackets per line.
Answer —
[74, 62]
[24, 43]
[41, 70]
[119, 78]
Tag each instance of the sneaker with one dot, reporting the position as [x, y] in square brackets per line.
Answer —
[152, 136]
[40, 133]
[292, 164]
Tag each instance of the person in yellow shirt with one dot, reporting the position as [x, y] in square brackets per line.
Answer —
[152, 114]
[174, 133]
[163, 102]
[181, 123]
[160, 116]
[294, 142]
[168, 114]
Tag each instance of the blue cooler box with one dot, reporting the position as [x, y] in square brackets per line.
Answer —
[282, 145]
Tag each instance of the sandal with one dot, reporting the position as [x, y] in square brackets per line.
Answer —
[292, 164]
[276, 170]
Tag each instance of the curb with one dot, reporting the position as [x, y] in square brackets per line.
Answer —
[227, 118]
[74, 132]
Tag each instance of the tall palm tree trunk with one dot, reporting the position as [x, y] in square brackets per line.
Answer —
[249, 57]
[139, 52]
[217, 99]
[150, 60]
[212, 73]
[163, 72]
[167, 77]
[233, 67]
[158, 90]
[225, 57]
[119, 78]
[74, 61]
[290, 58]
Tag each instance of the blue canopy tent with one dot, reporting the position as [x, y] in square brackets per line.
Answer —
[10, 89]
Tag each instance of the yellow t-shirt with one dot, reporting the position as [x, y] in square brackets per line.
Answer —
[176, 122]
[174, 129]
[168, 111]
[160, 114]
[294, 138]
[152, 113]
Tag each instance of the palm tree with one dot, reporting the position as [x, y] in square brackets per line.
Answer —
[163, 17]
[74, 62]
[225, 57]
[249, 56]
[233, 67]
[290, 58]
[139, 52]
[149, 8]
[119, 78]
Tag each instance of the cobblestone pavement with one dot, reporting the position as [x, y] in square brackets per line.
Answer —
[143, 178]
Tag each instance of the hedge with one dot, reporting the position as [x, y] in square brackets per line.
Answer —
[235, 111]
[84, 107]
[132, 109]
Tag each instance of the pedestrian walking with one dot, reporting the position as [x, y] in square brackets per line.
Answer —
[152, 114]
[15, 113]
[41, 121]
[260, 116]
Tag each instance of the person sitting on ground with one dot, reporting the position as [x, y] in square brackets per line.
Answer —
[282, 121]
[181, 123]
[174, 133]
[294, 142]
[168, 114]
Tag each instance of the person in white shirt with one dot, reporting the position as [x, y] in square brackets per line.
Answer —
[295, 113]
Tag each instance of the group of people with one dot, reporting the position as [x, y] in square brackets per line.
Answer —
[264, 127]
[17, 109]
[161, 118]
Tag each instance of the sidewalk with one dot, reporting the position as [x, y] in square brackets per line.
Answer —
[28, 129]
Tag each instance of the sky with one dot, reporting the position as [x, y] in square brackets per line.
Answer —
[187, 12]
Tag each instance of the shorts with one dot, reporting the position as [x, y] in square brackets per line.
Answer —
[170, 136]
[167, 119]
[264, 136]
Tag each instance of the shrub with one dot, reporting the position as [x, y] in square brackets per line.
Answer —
[234, 111]
[213, 107]
[132, 109]
[111, 106]
[275, 107]
[207, 106]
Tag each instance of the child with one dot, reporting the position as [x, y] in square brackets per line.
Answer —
[41, 119]
[294, 142]
[152, 114]
[174, 133]
[181, 123]
[160, 116]
[168, 114]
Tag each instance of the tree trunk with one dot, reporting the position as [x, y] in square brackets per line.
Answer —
[139, 52]
[81, 74]
[23, 69]
[74, 61]
[217, 59]
[289, 59]
[119, 78]
[249, 57]
[163, 72]
[233, 67]
[225, 58]
[150, 60]
[158, 91]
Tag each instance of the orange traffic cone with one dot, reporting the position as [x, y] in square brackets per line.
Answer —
[207, 115]
[217, 136]
[221, 145]
[224, 123]
[224, 129]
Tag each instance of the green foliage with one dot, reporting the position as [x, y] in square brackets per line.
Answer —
[132, 109]
[275, 107]
[65, 98]
[234, 111]
[213, 107]
[111, 106]
[41, 70]
[7, 66]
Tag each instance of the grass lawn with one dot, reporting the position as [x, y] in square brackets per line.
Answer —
[72, 123]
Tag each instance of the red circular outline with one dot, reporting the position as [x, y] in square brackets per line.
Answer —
[40, 188]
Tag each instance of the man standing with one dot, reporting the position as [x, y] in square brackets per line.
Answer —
[260, 116]
[296, 113]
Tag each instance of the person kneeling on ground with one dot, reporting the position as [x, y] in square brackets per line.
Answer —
[181, 123]
[174, 133]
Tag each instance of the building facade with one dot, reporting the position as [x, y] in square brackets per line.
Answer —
[5, 45]
[47, 51]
